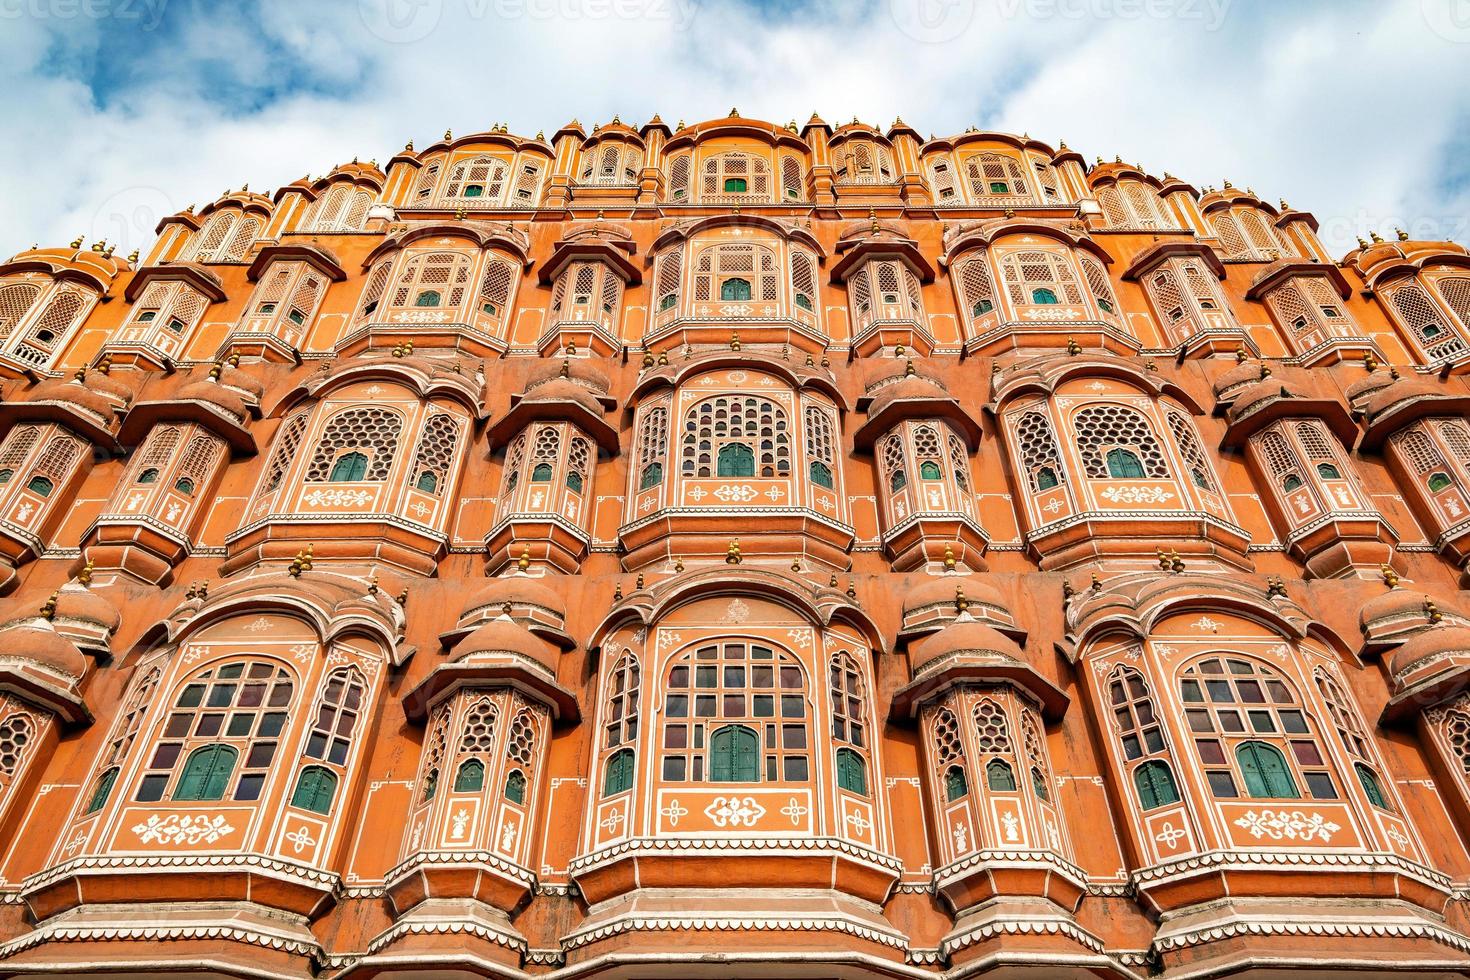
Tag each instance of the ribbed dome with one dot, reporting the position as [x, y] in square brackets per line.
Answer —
[1260, 393]
[37, 642]
[75, 603]
[217, 395]
[1429, 652]
[1403, 390]
[968, 639]
[912, 388]
[1397, 606]
[580, 370]
[88, 399]
[1375, 381]
[564, 390]
[503, 638]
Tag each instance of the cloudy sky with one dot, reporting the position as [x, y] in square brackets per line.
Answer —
[120, 111]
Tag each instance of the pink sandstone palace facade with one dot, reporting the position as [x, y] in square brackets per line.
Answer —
[735, 550]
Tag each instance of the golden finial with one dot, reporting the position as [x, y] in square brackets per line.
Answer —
[1099, 162]
[949, 562]
[1096, 583]
[663, 358]
[541, 136]
[524, 562]
[618, 592]
[960, 602]
[1228, 185]
[48, 608]
[1393, 372]
[566, 369]
[639, 585]
[85, 575]
[1175, 562]
[459, 213]
[1431, 611]
[734, 112]
[301, 563]
[810, 362]
[1265, 370]
[833, 584]
[133, 257]
[373, 583]
[908, 368]
[1240, 355]
[1150, 364]
[796, 564]
[402, 597]
[732, 553]
[647, 359]
[1073, 348]
[1163, 560]
[571, 348]
[1284, 205]
[898, 350]
[1377, 239]
[678, 564]
[873, 217]
[1067, 590]
[104, 365]
[1010, 212]
[216, 370]
[448, 135]
[1403, 235]
[76, 242]
[505, 608]
[1275, 587]
[107, 252]
[80, 375]
[1390, 577]
[408, 147]
[1370, 362]
[734, 341]
[1361, 243]
[851, 589]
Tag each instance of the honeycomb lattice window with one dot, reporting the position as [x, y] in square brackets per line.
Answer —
[57, 459]
[16, 732]
[545, 450]
[495, 286]
[803, 280]
[1233, 243]
[992, 730]
[1426, 322]
[1036, 278]
[370, 430]
[372, 295]
[1314, 440]
[1100, 286]
[514, 459]
[1455, 291]
[1102, 429]
[17, 446]
[959, 459]
[1281, 461]
[791, 182]
[521, 743]
[1039, 456]
[1456, 729]
[477, 734]
[947, 744]
[64, 310]
[1188, 445]
[927, 452]
[435, 453]
[1036, 754]
[977, 288]
[437, 745]
[894, 469]
[578, 460]
[621, 725]
[995, 175]
[16, 300]
[736, 435]
[198, 462]
[679, 168]
[942, 179]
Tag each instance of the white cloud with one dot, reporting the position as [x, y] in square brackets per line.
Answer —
[1349, 109]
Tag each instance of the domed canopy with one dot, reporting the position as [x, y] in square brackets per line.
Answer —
[559, 399]
[1430, 667]
[1393, 616]
[1407, 400]
[43, 667]
[88, 618]
[901, 393]
[1262, 402]
[500, 653]
[216, 395]
[84, 409]
[970, 652]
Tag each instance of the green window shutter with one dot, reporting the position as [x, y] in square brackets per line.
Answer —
[207, 773]
[471, 777]
[653, 475]
[1038, 783]
[735, 289]
[515, 786]
[102, 791]
[348, 468]
[428, 481]
[619, 777]
[1371, 786]
[954, 783]
[852, 773]
[1046, 478]
[1123, 464]
[542, 473]
[736, 460]
[929, 470]
[1155, 785]
[315, 788]
[1265, 772]
[733, 755]
[998, 776]
[821, 474]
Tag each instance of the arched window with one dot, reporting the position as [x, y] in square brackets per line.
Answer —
[1036, 754]
[893, 463]
[977, 289]
[1426, 321]
[120, 742]
[1044, 296]
[949, 754]
[852, 772]
[926, 450]
[668, 280]
[999, 776]
[622, 702]
[437, 744]
[1243, 711]
[993, 740]
[185, 486]
[16, 300]
[1188, 445]
[428, 297]
[756, 425]
[520, 752]
[369, 433]
[740, 174]
[435, 453]
[1140, 735]
[481, 176]
[1155, 783]
[995, 175]
[737, 273]
[1113, 440]
[1354, 736]
[653, 439]
[471, 776]
[1039, 457]
[16, 732]
[431, 279]
[240, 707]
[1037, 278]
[736, 686]
[150, 475]
[287, 443]
[1372, 788]
[618, 776]
[803, 280]
[577, 461]
[846, 690]
[315, 788]
[515, 786]
[101, 790]
[337, 712]
[819, 446]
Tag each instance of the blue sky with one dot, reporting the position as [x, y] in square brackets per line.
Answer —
[121, 111]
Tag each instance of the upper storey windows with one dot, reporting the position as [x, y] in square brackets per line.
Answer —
[864, 161]
[226, 236]
[471, 180]
[611, 164]
[342, 208]
[1246, 234]
[1132, 204]
[753, 175]
[38, 315]
[1433, 308]
[1000, 178]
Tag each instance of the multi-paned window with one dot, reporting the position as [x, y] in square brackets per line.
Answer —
[1140, 735]
[736, 436]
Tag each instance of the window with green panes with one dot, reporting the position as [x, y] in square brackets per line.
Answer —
[221, 736]
[754, 698]
[1251, 732]
[1140, 735]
